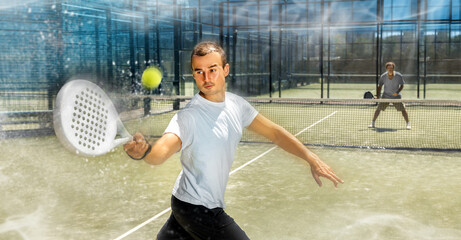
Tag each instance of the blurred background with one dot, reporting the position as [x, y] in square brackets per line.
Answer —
[279, 49]
[305, 64]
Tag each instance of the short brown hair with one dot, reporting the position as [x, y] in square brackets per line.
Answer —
[390, 63]
[206, 47]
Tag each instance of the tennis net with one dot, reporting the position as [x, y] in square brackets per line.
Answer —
[345, 122]
[435, 124]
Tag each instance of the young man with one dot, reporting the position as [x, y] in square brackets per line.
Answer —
[208, 131]
[393, 84]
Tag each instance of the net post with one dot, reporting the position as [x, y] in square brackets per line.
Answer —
[176, 104]
[147, 102]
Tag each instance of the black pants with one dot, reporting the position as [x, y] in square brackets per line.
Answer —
[188, 221]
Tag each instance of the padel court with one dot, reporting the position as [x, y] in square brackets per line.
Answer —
[305, 64]
[50, 193]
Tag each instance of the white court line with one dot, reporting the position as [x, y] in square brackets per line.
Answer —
[319, 121]
[232, 172]
[143, 224]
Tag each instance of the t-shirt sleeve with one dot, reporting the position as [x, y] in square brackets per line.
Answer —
[181, 127]
[248, 112]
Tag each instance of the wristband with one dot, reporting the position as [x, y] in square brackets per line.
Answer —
[145, 154]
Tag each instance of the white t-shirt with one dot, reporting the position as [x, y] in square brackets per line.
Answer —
[210, 132]
[391, 85]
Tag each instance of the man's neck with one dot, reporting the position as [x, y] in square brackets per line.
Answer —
[213, 98]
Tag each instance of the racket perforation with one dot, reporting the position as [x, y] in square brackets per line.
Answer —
[89, 118]
[87, 122]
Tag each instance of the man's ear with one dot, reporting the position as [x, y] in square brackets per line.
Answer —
[226, 70]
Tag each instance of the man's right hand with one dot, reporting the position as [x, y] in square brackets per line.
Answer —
[137, 147]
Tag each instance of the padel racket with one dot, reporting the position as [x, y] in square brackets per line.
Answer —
[85, 120]
[368, 95]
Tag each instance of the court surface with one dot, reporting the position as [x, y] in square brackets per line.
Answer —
[49, 193]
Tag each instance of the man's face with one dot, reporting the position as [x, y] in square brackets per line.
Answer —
[390, 68]
[210, 75]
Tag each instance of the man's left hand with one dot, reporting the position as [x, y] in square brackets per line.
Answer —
[321, 169]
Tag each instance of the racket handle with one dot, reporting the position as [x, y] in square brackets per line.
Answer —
[121, 141]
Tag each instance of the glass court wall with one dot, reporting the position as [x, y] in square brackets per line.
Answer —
[315, 49]
[331, 49]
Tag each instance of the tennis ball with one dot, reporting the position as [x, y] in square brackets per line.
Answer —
[151, 78]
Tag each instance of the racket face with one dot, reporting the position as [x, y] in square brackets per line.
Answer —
[85, 119]
[368, 95]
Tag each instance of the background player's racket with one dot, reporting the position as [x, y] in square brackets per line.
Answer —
[368, 95]
[85, 120]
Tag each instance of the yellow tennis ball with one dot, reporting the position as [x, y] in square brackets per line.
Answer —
[151, 78]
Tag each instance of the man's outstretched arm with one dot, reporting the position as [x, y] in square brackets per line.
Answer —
[291, 144]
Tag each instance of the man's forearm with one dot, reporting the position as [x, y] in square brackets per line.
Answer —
[378, 91]
[291, 144]
[400, 89]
